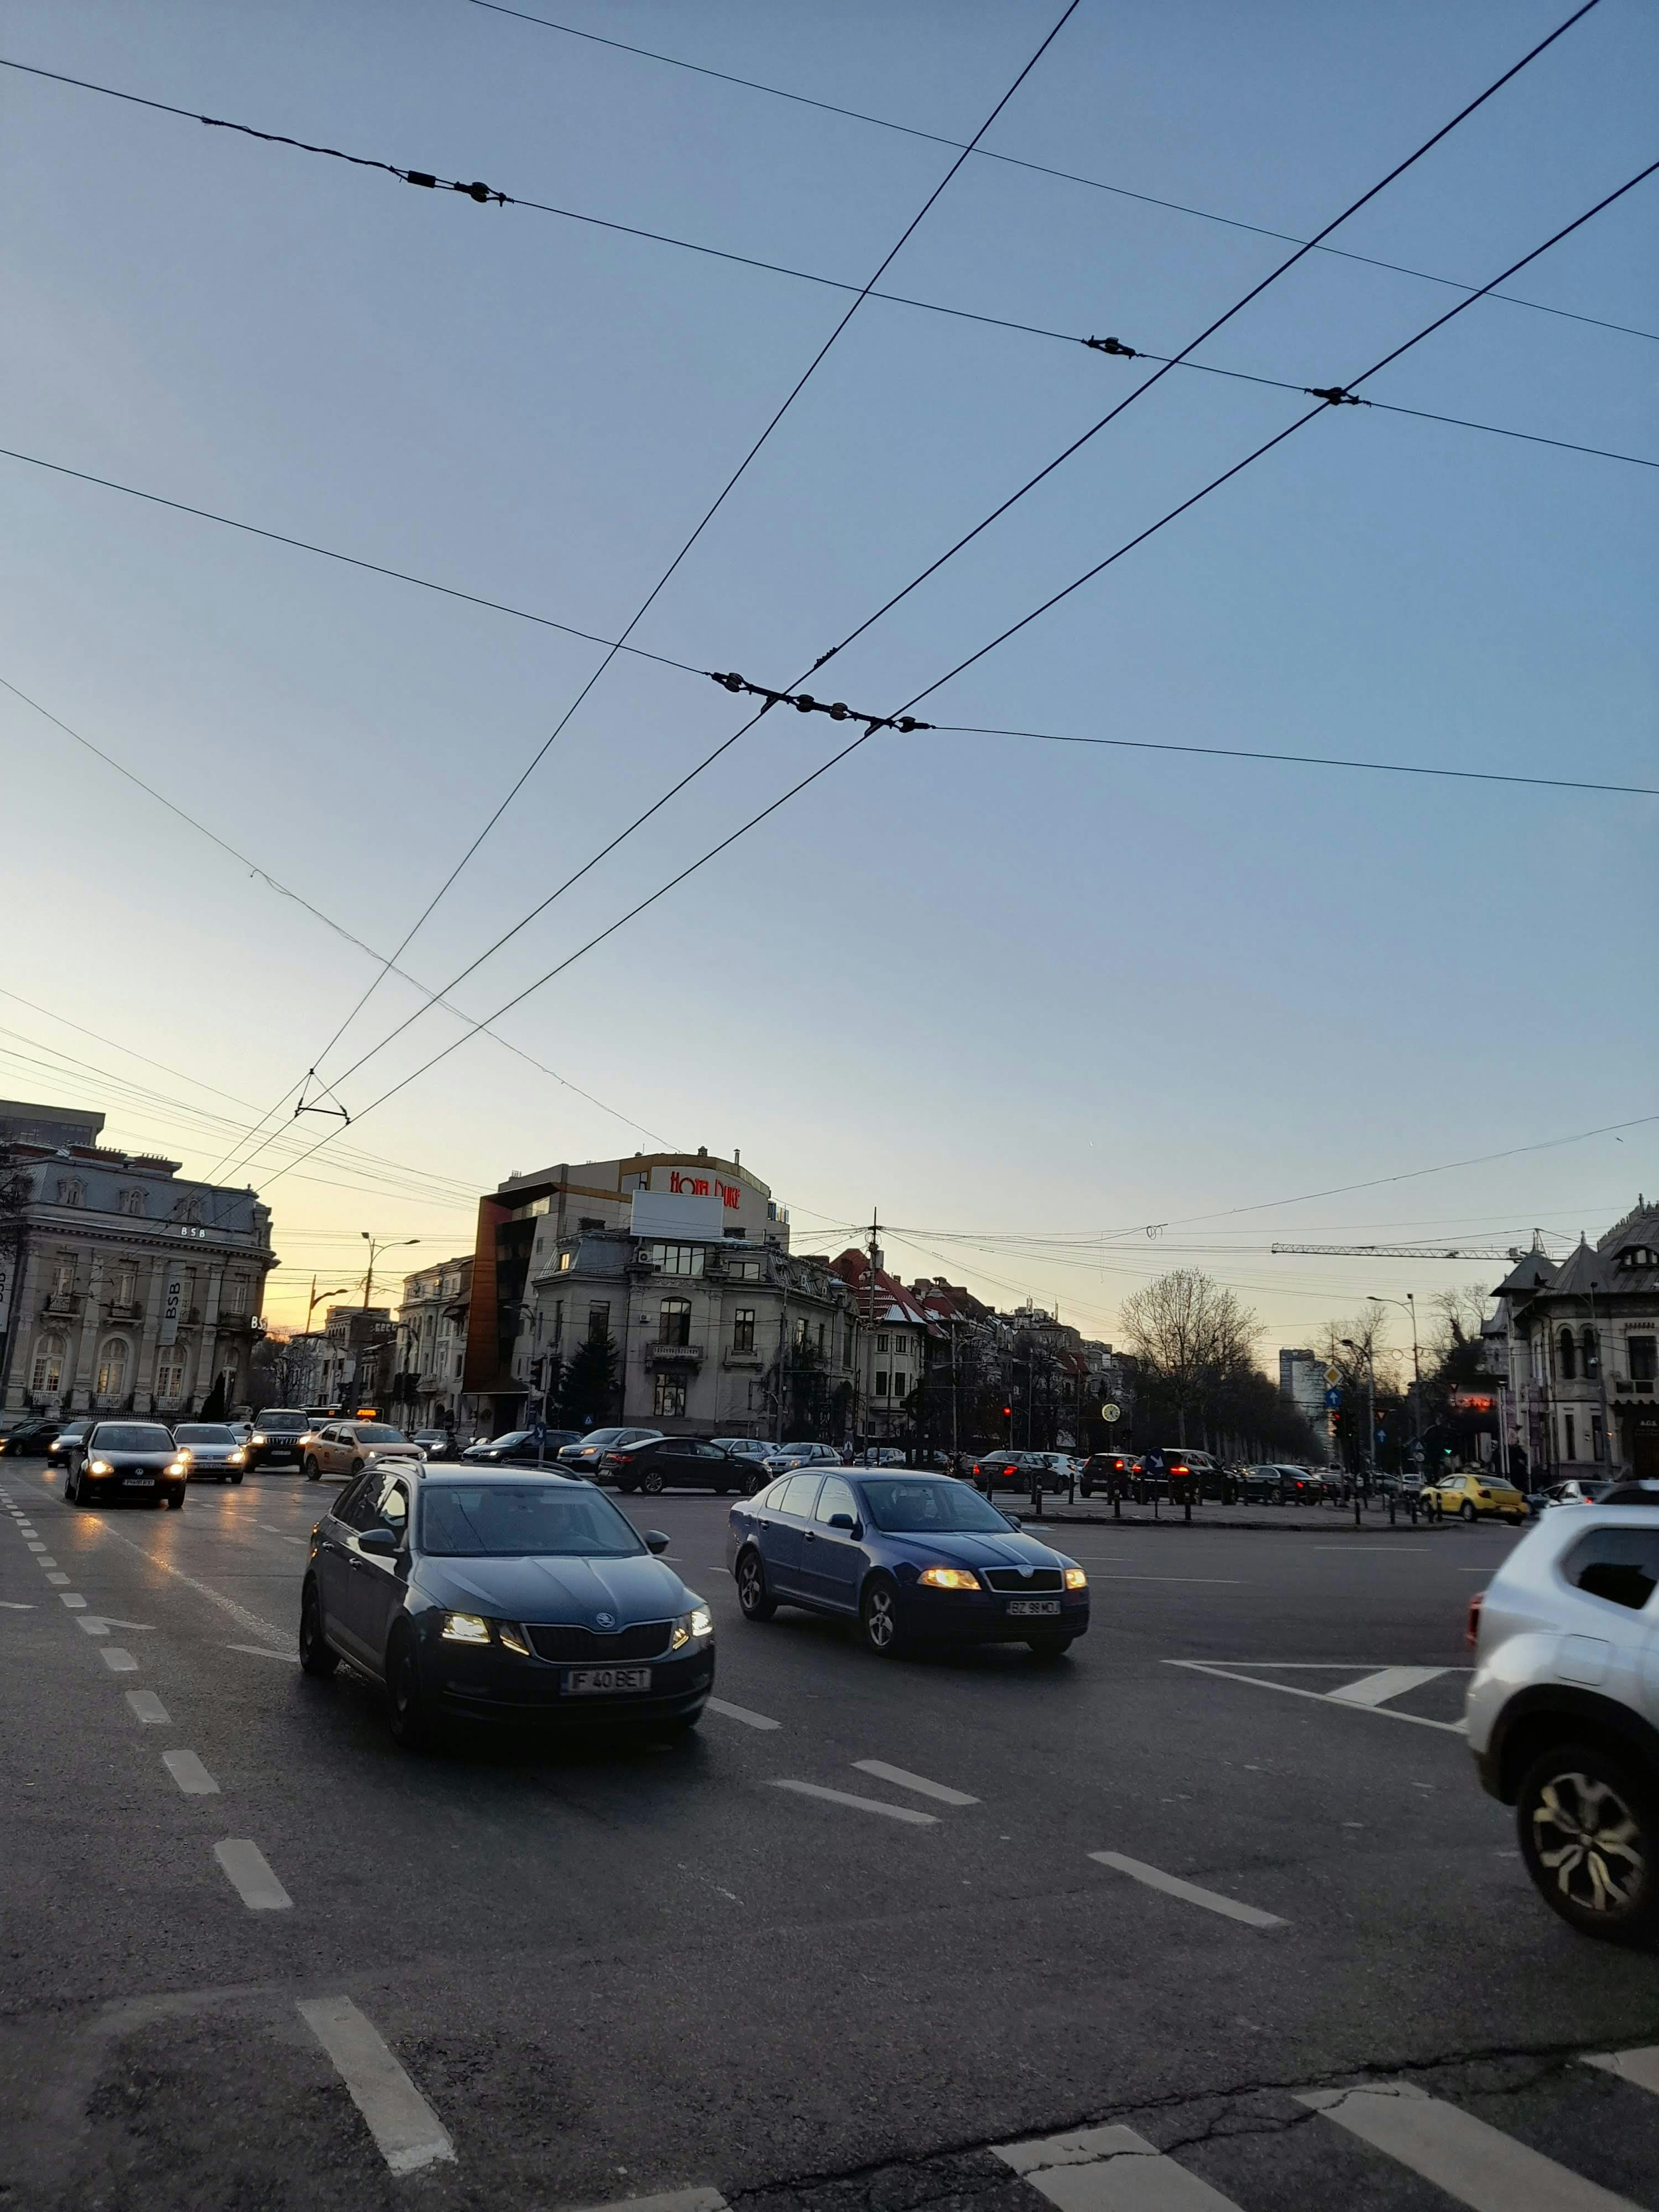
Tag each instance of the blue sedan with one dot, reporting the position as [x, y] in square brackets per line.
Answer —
[914, 1558]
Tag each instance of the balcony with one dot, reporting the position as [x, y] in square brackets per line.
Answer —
[125, 1309]
[683, 1359]
[743, 1355]
[62, 1306]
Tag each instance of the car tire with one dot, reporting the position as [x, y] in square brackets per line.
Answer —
[722, 1490]
[318, 1656]
[879, 1627]
[175, 1503]
[651, 1482]
[235, 1477]
[627, 1488]
[1572, 1797]
[407, 1714]
[357, 1467]
[312, 1472]
[1049, 1647]
[754, 1601]
[1466, 1511]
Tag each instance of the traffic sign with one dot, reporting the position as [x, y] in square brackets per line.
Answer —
[1333, 1400]
[1109, 1412]
[1333, 1374]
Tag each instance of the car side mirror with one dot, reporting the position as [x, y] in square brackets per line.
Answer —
[655, 1541]
[1012, 1519]
[845, 1520]
[380, 1543]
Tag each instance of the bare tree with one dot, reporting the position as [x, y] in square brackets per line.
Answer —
[1192, 1334]
[1458, 1316]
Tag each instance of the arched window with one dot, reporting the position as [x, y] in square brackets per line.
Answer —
[69, 1192]
[132, 1201]
[170, 1373]
[1568, 1352]
[112, 1367]
[46, 1376]
[1592, 1355]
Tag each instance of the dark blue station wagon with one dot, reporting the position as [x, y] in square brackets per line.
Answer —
[914, 1558]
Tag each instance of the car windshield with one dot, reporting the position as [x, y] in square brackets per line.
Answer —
[133, 1436]
[511, 1437]
[604, 1436]
[943, 1507]
[509, 1520]
[376, 1432]
[284, 1424]
[203, 1432]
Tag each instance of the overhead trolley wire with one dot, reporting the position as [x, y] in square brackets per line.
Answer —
[1044, 169]
[834, 759]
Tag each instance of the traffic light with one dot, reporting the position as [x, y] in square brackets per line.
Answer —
[1007, 1413]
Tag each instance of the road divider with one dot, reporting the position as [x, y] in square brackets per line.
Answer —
[1172, 1885]
[407, 2132]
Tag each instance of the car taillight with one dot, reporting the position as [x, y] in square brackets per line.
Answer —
[622, 1459]
[1472, 1627]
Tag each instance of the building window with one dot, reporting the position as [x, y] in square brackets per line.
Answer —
[881, 1383]
[742, 1330]
[1643, 1365]
[598, 1322]
[881, 1344]
[558, 1323]
[1639, 1255]
[126, 1280]
[901, 1385]
[674, 1322]
[70, 1192]
[668, 1396]
[586, 1222]
[676, 1259]
[112, 1367]
[1592, 1355]
[63, 1277]
[565, 1259]
[170, 1372]
[742, 1270]
[47, 1375]
[1568, 1360]
[131, 1201]
[820, 1340]
[1568, 1431]
[1598, 1438]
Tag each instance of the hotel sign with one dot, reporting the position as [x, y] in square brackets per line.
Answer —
[683, 1185]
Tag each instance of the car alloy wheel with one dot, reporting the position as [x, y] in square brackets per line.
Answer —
[176, 1499]
[1589, 1832]
[752, 1596]
[314, 1473]
[406, 1711]
[879, 1618]
[651, 1482]
[1466, 1511]
[317, 1656]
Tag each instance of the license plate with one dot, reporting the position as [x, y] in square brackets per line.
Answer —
[137, 1482]
[606, 1681]
[1026, 1606]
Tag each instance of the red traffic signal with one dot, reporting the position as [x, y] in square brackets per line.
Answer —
[1008, 1412]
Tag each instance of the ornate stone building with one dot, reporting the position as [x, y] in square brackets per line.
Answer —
[122, 1287]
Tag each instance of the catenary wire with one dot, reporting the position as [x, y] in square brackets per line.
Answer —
[834, 759]
[1172, 362]
[1044, 169]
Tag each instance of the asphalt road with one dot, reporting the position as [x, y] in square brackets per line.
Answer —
[837, 1949]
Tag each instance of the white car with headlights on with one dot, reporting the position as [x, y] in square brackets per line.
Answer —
[213, 1448]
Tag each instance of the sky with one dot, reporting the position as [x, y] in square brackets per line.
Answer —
[1025, 998]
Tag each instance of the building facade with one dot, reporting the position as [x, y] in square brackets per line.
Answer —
[1302, 1380]
[125, 1289]
[428, 1390]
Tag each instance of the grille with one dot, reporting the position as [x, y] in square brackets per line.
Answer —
[1013, 1579]
[644, 1642]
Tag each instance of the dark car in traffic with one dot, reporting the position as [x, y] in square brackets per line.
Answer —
[1016, 1470]
[661, 1463]
[520, 1448]
[278, 1438]
[136, 1459]
[502, 1596]
[28, 1440]
[1114, 1474]
[914, 1558]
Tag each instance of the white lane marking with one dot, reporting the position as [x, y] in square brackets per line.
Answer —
[91, 1625]
[147, 1706]
[10, 1604]
[1387, 1682]
[672, 2200]
[35, 1544]
[863, 1804]
[1290, 1690]
[57, 1576]
[1416, 1549]
[742, 1713]
[1209, 1581]
[188, 1772]
[919, 1783]
[249, 1620]
[406, 2130]
[265, 1651]
[67, 1597]
[117, 1660]
[251, 1875]
[1190, 1892]
[1110, 2170]
[1476, 2165]
[48, 1561]
[1641, 2067]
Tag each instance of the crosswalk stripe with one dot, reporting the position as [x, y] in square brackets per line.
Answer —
[1641, 2067]
[1477, 2165]
[1110, 2170]
[1387, 1682]
[408, 2132]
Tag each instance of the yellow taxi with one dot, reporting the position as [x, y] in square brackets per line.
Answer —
[1476, 1497]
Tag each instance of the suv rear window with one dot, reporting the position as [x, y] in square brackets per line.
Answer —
[1621, 1564]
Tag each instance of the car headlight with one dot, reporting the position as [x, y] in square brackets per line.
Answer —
[179, 1466]
[1076, 1579]
[691, 1627]
[99, 1466]
[951, 1578]
[465, 1628]
[238, 1458]
[259, 1440]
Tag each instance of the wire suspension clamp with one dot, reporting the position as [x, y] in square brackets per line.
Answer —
[1335, 396]
[1112, 345]
[475, 190]
[805, 703]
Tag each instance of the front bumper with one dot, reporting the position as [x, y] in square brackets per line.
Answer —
[274, 1455]
[496, 1686]
[983, 1617]
[135, 1486]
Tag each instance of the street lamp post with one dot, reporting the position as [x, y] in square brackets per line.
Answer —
[1371, 1405]
[1410, 1304]
[376, 1246]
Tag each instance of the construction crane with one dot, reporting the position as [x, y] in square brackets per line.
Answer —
[1404, 1251]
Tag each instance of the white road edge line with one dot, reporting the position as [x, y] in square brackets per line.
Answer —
[147, 1706]
[672, 2200]
[1290, 1690]
[264, 1651]
[862, 1804]
[1476, 2165]
[1190, 1892]
[1641, 2067]
[742, 1713]
[1110, 2170]
[188, 1772]
[250, 1876]
[919, 1783]
[406, 2131]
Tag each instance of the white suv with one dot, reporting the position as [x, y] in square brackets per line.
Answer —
[1563, 1713]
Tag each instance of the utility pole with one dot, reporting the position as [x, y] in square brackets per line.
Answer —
[870, 1332]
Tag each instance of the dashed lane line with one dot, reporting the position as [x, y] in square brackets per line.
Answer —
[919, 1783]
[905, 1813]
[69, 1598]
[1324, 1697]
[1189, 1892]
[1641, 2067]
[671, 2200]
[117, 1660]
[55, 1575]
[1110, 2170]
[1476, 2165]
[1387, 1682]
[265, 1651]
[407, 2131]
[1209, 1582]
[238, 1613]
[742, 1713]
[147, 1707]
[11, 1605]
[188, 1772]
[249, 1873]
